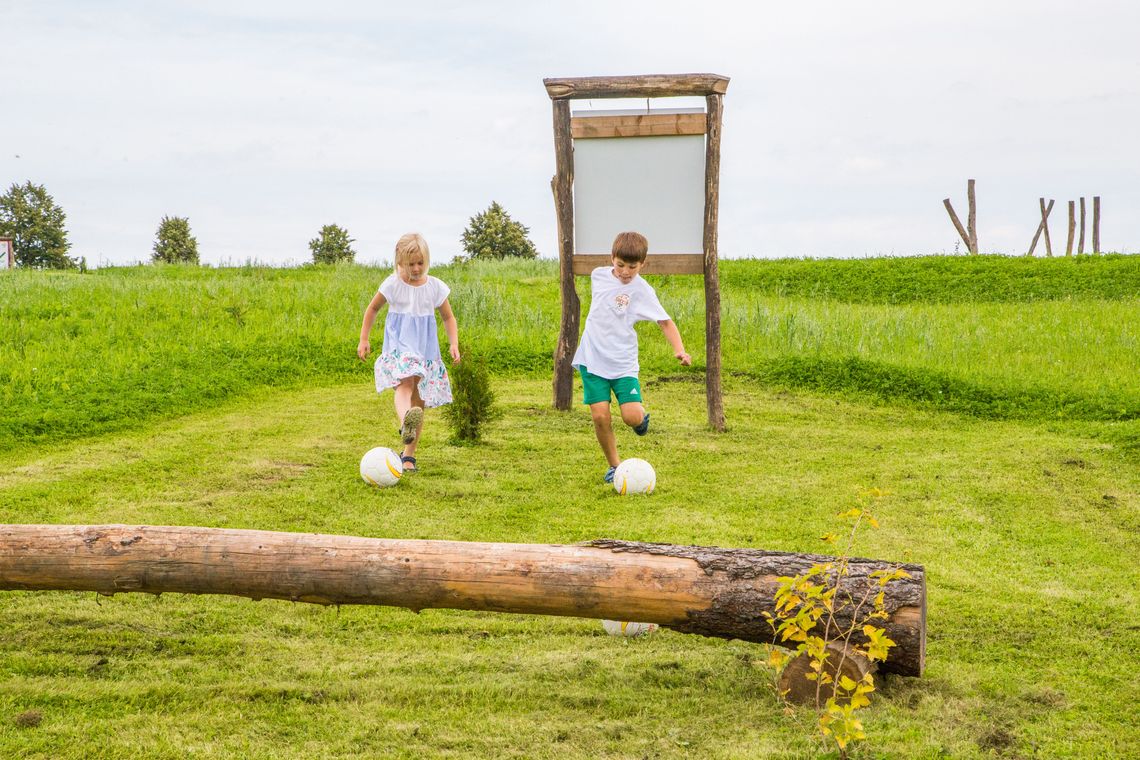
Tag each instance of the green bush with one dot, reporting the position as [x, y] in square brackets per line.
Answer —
[30, 216]
[494, 235]
[173, 242]
[473, 401]
[332, 245]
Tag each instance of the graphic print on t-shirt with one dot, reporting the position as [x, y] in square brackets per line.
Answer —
[620, 303]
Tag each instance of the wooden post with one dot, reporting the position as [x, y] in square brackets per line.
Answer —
[1072, 227]
[957, 223]
[1096, 224]
[1044, 225]
[562, 185]
[703, 590]
[713, 395]
[1081, 244]
[971, 218]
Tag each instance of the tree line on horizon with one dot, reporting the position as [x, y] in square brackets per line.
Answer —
[37, 225]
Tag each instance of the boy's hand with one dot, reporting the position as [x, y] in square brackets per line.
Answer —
[685, 359]
[363, 349]
[454, 354]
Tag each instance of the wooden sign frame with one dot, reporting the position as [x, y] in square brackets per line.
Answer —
[8, 246]
[561, 91]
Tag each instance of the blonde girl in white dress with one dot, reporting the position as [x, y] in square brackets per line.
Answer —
[410, 361]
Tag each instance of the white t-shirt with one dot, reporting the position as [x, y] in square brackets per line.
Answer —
[609, 343]
[418, 300]
[410, 327]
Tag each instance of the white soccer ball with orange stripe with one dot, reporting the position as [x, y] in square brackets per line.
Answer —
[381, 467]
[634, 476]
[628, 629]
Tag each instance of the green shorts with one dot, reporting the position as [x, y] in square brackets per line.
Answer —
[597, 389]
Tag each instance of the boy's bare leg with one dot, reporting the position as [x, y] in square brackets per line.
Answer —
[603, 429]
[632, 413]
[410, 448]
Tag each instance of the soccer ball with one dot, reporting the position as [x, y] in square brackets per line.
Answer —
[627, 629]
[634, 476]
[381, 467]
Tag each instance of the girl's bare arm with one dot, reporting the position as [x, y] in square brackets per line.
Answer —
[451, 328]
[364, 347]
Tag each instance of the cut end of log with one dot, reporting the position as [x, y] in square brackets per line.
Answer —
[796, 686]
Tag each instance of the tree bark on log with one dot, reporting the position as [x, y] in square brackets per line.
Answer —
[704, 590]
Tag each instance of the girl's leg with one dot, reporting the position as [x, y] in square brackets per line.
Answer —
[410, 448]
[403, 399]
[603, 429]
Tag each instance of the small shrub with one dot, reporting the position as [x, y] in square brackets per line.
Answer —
[473, 402]
[30, 216]
[332, 245]
[808, 610]
[173, 242]
[494, 235]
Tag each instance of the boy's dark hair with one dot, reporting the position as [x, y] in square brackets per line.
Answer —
[631, 247]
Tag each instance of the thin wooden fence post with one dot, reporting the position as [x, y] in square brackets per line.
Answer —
[1081, 243]
[1072, 227]
[1096, 224]
[713, 391]
[957, 222]
[563, 187]
[1043, 226]
[972, 217]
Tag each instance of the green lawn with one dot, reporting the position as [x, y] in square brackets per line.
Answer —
[1028, 530]
[997, 338]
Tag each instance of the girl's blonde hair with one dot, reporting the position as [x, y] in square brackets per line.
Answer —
[408, 246]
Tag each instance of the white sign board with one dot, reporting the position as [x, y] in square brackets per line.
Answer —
[651, 185]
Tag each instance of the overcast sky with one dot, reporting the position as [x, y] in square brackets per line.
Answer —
[845, 124]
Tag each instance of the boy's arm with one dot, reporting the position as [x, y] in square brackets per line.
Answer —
[363, 348]
[451, 327]
[673, 335]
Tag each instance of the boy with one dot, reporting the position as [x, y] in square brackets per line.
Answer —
[607, 354]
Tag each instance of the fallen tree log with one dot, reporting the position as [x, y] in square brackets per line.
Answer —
[704, 590]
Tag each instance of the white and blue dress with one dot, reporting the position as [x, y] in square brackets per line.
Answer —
[411, 339]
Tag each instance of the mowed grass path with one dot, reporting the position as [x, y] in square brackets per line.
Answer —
[1029, 538]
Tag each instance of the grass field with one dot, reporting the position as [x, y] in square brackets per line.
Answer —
[231, 399]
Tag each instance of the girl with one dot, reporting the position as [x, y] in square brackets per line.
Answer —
[410, 360]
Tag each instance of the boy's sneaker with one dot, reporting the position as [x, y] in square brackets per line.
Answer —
[643, 426]
[609, 476]
[412, 419]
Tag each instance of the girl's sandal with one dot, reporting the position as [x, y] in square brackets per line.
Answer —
[411, 461]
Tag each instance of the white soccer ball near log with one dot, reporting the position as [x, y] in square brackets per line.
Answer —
[381, 467]
[627, 629]
[634, 476]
